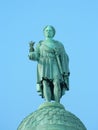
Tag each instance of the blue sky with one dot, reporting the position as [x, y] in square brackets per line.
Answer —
[76, 23]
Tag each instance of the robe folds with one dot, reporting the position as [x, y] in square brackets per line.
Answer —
[53, 62]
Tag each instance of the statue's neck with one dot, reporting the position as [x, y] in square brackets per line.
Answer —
[48, 39]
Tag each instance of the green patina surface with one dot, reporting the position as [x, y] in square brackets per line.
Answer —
[52, 82]
[51, 116]
[53, 66]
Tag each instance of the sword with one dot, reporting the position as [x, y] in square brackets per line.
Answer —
[65, 77]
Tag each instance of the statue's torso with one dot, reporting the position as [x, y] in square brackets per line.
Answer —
[48, 49]
[48, 65]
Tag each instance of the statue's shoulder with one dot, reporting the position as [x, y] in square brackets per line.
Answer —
[39, 43]
[59, 44]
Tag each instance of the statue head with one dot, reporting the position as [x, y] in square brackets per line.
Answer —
[49, 31]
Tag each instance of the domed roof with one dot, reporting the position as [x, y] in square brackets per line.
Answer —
[51, 116]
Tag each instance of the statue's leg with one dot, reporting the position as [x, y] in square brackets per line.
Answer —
[57, 89]
[46, 91]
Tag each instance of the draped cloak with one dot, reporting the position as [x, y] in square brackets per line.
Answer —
[48, 67]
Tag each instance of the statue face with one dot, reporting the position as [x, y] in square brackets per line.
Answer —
[49, 32]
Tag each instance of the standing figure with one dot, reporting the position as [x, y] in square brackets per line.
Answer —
[52, 68]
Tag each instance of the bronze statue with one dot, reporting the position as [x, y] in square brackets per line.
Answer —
[53, 66]
[52, 82]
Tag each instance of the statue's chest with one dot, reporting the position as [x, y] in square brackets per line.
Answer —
[48, 46]
[47, 49]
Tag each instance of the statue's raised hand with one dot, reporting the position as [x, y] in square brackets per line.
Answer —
[31, 44]
[31, 49]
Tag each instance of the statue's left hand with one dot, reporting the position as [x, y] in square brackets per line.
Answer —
[56, 51]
